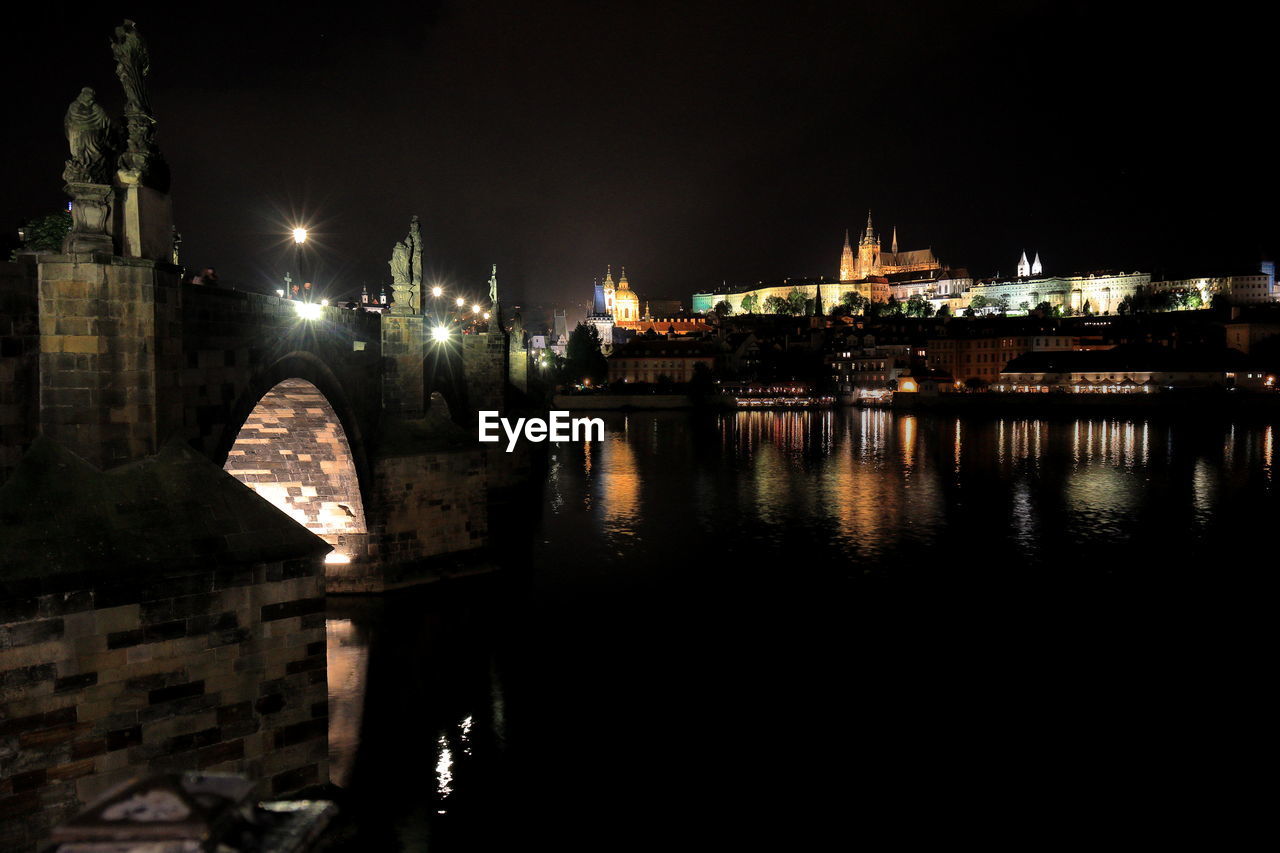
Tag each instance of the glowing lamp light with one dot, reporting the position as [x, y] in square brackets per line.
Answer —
[324, 302]
[307, 310]
[459, 302]
[440, 333]
[486, 315]
[299, 235]
[335, 557]
[475, 309]
[437, 290]
[909, 385]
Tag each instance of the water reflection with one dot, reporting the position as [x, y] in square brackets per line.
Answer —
[689, 577]
[348, 656]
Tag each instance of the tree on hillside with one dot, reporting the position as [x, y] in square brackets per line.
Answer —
[855, 301]
[723, 308]
[750, 303]
[775, 305]
[796, 301]
[583, 359]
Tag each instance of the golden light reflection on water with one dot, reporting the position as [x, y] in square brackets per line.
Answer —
[348, 666]
[876, 480]
[619, 485]
[1268, 440]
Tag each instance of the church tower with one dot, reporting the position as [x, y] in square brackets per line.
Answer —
[608, 290]
[1024, 268]
[1036, 269]
[894, 247]
[847, 272]
[626, 304]
[868, 252]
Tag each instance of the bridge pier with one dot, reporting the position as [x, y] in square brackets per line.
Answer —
[109, 362]
[403, 352]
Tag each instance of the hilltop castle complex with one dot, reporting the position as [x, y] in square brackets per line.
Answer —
[877, 276]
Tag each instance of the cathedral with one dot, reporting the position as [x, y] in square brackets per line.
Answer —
[879, 269]
[869, 271]
[616, 314]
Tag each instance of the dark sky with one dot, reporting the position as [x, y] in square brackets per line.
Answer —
[691, 142]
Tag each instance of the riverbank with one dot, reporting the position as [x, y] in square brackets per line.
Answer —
[1190, 404]
[605, 402]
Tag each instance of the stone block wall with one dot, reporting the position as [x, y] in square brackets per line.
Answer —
[485, 367]
[422, 506]
[110, 352]
[518, 370]
[220, 670]
[402, 355]
[19, 363]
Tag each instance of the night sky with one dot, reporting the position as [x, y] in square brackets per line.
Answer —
[692, 143]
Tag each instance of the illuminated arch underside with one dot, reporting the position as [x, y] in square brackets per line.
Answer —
[293, 451]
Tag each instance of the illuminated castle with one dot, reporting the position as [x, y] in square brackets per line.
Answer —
[871, 262]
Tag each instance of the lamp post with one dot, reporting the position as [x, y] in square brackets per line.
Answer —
[300, 237]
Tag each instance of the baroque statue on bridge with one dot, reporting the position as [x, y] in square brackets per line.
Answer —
[141, 160]
[133, 64]
[92, 136]
[406, 271]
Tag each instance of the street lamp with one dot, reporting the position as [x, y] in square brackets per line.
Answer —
[436, 291]
[300, 237]
[459, 302]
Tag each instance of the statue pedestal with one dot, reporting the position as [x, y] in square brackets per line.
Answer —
[404, 300]
[144, 220]
[90, 216]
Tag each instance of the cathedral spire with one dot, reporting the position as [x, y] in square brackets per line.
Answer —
[846, 260]
[894, 247]
[1036, 269]
[1024, 268]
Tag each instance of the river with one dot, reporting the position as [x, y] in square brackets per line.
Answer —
[807, 630]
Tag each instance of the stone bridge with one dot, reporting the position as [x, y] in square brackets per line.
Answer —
[327, 417]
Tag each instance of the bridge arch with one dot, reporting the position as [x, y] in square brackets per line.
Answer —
[293, 440]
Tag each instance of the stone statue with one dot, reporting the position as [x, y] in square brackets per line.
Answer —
[399, 264]
[406, 271]
[133, 64]
[493, 286]
[517, 332]
[141, 161]
[415, 254]
[92, 135]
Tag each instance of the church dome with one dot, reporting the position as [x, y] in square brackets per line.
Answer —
[626, 304]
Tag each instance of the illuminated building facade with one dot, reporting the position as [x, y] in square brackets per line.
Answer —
[1101, 292]
[648, 359]
[1130, 369]
[983, 358]
[599, 317]
[1253, 289]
